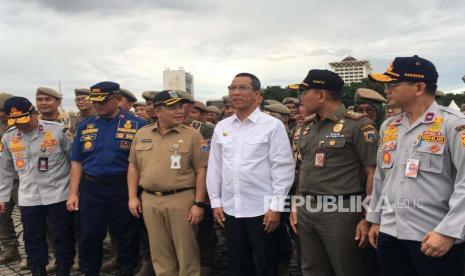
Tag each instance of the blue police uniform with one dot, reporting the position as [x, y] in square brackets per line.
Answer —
[102, 146]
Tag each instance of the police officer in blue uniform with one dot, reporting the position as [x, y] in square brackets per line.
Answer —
[99, 181]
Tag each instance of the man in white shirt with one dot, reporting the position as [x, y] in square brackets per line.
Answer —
[250, 171]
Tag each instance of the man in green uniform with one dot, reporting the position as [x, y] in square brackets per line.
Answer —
[335, 148]
[7, 229]
[85, 106]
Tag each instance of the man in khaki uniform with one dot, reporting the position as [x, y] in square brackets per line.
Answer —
[148, 97]
[7, 229]
[335, 148]
[48, 102]
[85, 106]
[213, 114]
[168, 160]
[127, 101]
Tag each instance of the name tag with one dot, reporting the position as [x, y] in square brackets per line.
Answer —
[411, 170]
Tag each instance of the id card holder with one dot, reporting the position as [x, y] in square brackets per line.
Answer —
[411, 169]
[175, 161]
[43, 164]
[320, 159]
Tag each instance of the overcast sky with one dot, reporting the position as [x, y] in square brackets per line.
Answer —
[81, 42]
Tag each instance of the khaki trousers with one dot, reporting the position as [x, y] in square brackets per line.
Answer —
[173, 243]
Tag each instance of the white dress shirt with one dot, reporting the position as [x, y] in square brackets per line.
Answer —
[250, 167]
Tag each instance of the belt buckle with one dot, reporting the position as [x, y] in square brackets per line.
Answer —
[158, 193]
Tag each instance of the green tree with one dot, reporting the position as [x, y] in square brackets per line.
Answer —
[278, 93]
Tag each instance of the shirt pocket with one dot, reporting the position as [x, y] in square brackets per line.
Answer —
[431, 161]
[143, 146]
[21, 163]
[227, 146]
[255, 148]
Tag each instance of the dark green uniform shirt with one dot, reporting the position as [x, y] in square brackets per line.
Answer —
[334, 152]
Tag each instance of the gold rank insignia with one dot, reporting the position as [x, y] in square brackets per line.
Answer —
[338, 127]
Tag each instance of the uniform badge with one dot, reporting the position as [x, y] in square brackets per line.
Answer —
[204, 147]
[332, 142]
[369, 133]
[88, 145]
[460, 128]
[338, 127]
[320, 159]
[175, 161]
[434, 148]
[20, 163]
[125, 145]
[225, 133]
[1, 147]
[429, 117]
[463, 139]
[175, 146]
[386, 157]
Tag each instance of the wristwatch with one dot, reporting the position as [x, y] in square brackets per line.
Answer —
[199, 204]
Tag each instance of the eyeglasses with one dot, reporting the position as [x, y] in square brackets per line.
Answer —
[368, 109]
[240, 88]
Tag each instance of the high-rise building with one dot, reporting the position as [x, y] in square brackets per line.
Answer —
[178, 80]
[351, 69]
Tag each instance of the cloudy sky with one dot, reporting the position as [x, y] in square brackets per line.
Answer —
[81, 42]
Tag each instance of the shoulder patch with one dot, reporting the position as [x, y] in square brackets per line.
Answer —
[354, 115]
[460, 128]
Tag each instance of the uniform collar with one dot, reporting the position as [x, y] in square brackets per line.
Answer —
[120, 116]
[430, 116]
[253, 117]
[336, 115]
[176, 128]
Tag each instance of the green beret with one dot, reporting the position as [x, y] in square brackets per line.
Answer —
[49, 92]
[82, 91]
[149, 95]
[3, 98]
[368, 94]
[291, 100]
[214, 109]
[128, 95]
[186, 96]
[278, 108]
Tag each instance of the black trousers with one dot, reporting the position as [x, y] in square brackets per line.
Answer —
[101, 205]
[251, 250]
[404, 258]
[34, 220]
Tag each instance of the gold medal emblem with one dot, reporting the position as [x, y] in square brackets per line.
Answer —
[332, 142]
[338, 127]
[87, 145]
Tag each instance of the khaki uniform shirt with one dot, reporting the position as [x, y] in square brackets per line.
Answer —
[40, 183]
[152, 152]
[434, 198]
[334, 152]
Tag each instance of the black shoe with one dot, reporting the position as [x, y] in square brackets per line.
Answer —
[63, 271]
[38, 271]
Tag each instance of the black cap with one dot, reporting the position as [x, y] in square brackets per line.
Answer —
[320, 79]
[167, 98]
[99, 92]
[414, 69]
[18, 109]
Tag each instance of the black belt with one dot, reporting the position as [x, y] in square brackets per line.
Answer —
[344, 197]
[106, 179]
[167, 193]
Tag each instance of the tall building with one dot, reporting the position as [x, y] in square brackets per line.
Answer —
[351, 69]
[178, 80]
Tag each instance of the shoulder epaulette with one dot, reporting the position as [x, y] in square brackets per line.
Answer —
[51, 123]
[354, 115]
[452, 111]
